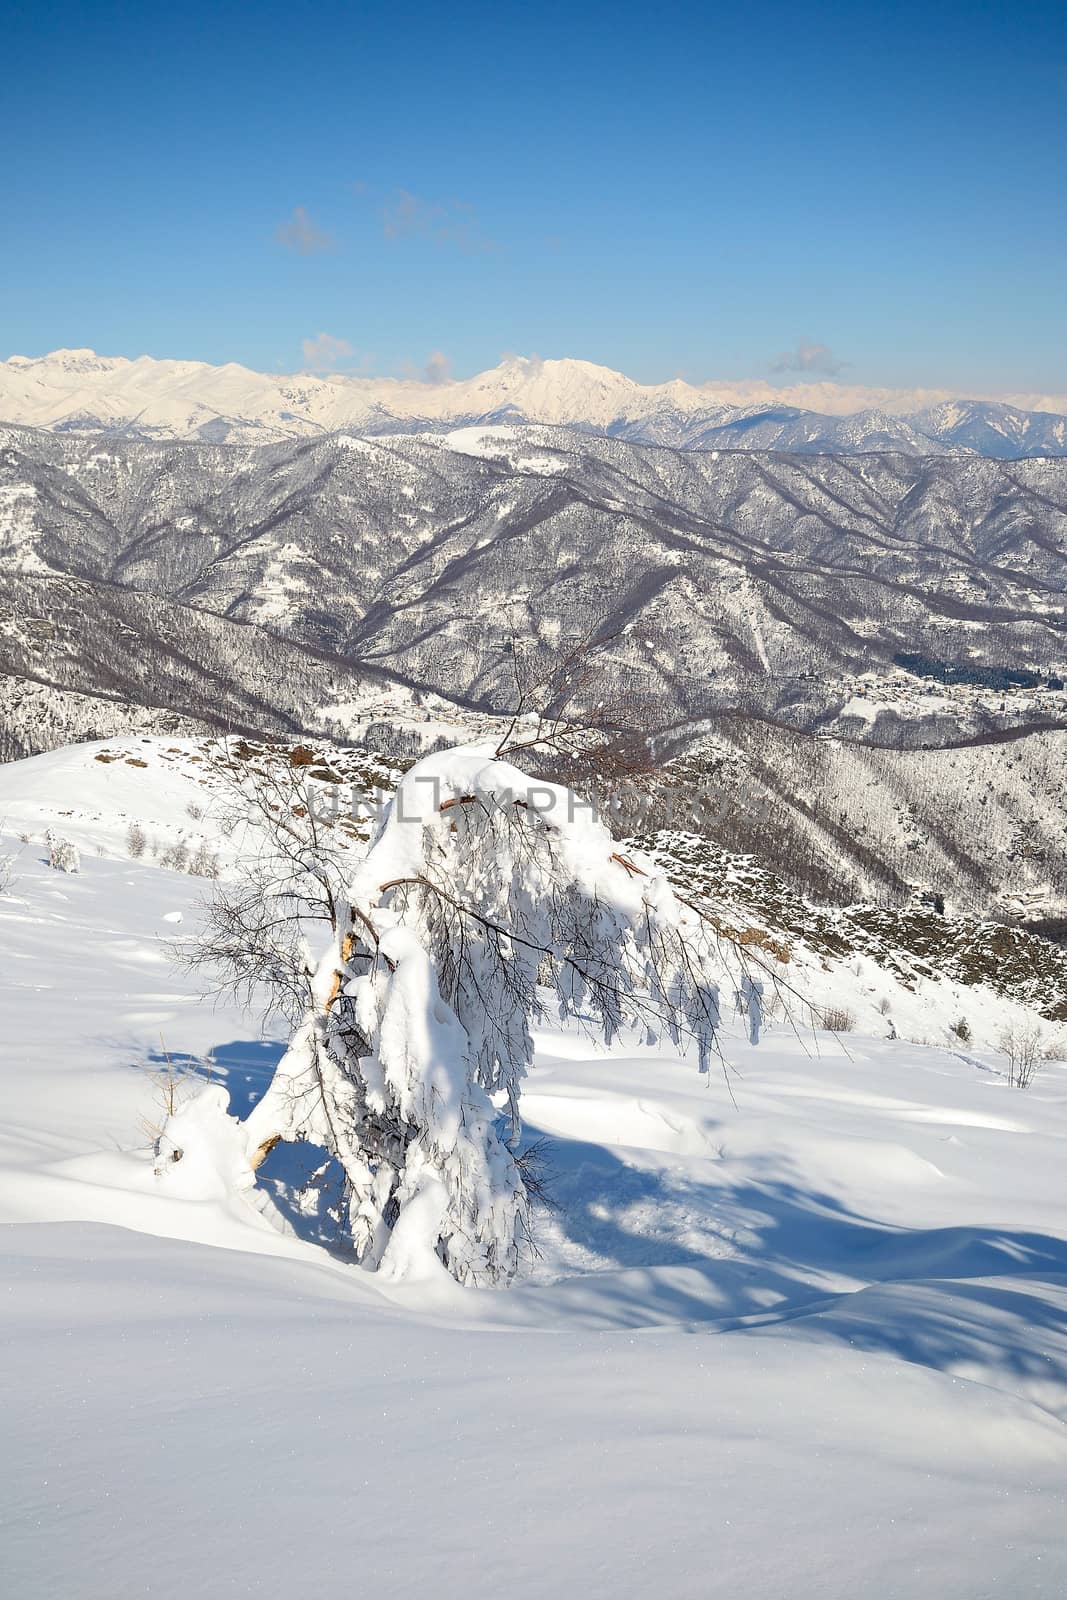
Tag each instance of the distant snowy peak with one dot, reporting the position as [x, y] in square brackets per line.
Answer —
[993, 428]
[79, 391]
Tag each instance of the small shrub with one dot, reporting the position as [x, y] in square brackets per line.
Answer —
[135, 841]
[962, 1030]
[170, 1088]
[62, 853]
[838, 1020]
[1027, 1052]
[176, 857]
[204, 863]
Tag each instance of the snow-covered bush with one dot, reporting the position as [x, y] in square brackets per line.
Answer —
[479, 885]
[62, 853]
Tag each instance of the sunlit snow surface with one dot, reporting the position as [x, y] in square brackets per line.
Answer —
[805, 1339]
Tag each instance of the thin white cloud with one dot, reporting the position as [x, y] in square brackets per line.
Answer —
[300, 234]
[450, 223]
[809, 357]
[532, 363]
[326, 353]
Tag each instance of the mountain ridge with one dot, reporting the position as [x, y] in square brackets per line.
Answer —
[786, 583]
[769, 603]
[80, 391]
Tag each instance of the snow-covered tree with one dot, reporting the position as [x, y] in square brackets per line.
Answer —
[482, 894]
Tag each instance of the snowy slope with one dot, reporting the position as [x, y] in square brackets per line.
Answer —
[176, 792]
[93, 792]
[79, 390]
[807, 1338]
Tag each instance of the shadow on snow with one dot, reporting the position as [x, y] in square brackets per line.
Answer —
[687, 1243]
[304, 1185]
[665, 1243]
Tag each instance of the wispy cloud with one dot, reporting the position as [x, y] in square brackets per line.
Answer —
[299, 233]
[808, 357]
[451, 223]
[533, 363]
[326, 353]
[438, 368]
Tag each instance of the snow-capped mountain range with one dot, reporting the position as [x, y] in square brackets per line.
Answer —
[79, 391]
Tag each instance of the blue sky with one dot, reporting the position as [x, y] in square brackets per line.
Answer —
[876, 193]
